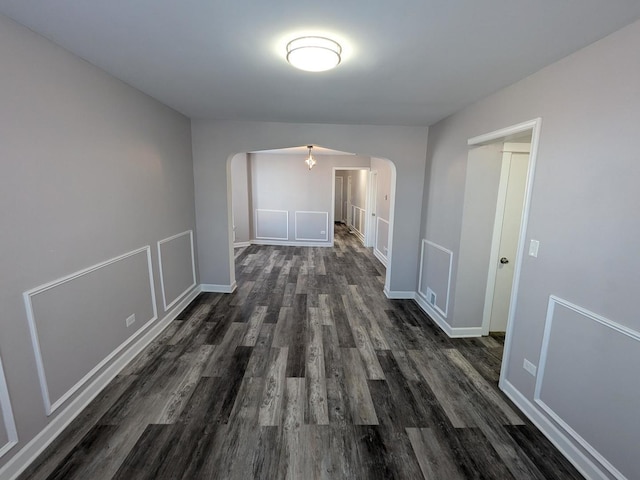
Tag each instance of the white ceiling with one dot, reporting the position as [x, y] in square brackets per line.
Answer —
[409, 62]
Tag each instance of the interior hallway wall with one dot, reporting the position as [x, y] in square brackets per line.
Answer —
[584, 213]
[214, 143]
[241, 201]
[91, 170]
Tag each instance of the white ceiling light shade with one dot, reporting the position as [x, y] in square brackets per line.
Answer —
[314, 54]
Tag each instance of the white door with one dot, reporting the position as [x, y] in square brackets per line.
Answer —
[372, 229]
[518, 166]
[337, 203]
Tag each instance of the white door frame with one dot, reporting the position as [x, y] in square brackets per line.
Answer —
[534, 126]
[509, 149]
[333, 196]
[341, 206]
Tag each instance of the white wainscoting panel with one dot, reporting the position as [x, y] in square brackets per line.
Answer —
[56, 427]
[358, 219]
[588, 383]
[177, 266]
[311, 226]
[77, 323]
[8, 435]
[436, 264]
[272, 224]
[382, 240]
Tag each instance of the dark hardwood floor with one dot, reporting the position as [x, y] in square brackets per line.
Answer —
[307, 371]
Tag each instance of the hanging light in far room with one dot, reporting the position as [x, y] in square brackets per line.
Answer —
[310, 161]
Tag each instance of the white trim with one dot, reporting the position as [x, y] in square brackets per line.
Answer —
[241, 244]
[561, 441]
[286, 212]
[376, 251]
[399, 295]
[30, 452]
[291, 243]
[535, 126]
[360, 234]
[553, 301]
[7, 415]
[453, 332]
[48, 405]
[209, 287]
[326, 226]
[333, 190]
[495, 242]
[445, 250]
[380, 257]
[505, 132]
[193, 269]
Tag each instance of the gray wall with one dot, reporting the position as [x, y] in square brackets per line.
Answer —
[241, 200]
[283, 182]
[583, 211]
[91, 170]
[383, 196]
[383, 203]
[214, 143]
[479, 210]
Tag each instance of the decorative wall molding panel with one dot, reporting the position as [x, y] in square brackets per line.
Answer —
[358, 220]
[272, 224]
[30, 452]
[436, 265]
[10, 437]
[122, 286]
[181, 264]
[311, 226]
[571, 358]
[382, 240]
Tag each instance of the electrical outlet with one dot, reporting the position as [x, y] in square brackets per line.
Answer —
[323, 232]
[131, 319]
[530, 367]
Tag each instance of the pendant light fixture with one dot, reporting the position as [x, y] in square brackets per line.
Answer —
[310, 161]
[314, 54]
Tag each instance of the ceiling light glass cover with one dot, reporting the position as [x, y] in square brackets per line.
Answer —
[314, 54]
[310, 161]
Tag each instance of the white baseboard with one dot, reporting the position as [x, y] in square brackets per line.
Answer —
[562, 442]
[25, 456]
[399, 295]
[453, 332]
[291, 243]
[380, 256]
[241, 244]
[211, 288]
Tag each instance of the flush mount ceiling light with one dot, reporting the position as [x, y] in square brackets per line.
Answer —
[310, 161]
[314, 54]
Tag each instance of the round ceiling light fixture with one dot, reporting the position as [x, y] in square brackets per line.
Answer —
[314, 54]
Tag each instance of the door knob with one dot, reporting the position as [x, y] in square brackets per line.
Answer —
[504, 260]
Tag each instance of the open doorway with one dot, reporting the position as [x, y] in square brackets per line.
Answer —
[498, 186]
[352, 200]
[277, 200]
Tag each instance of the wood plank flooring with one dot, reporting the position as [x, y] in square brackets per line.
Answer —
[307, 371]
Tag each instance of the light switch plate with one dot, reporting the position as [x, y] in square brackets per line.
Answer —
[533, 248]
